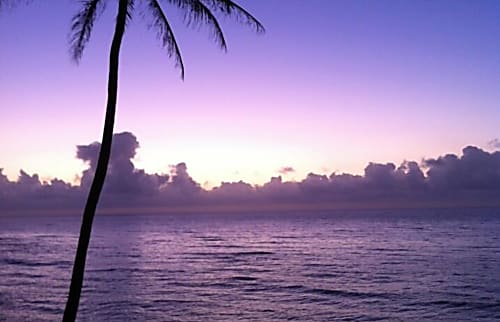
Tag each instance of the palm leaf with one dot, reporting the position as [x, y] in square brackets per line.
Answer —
[81, 27]
[130, 9]
[197, 14]
[11, 3]
[230, 8]
[166, 34]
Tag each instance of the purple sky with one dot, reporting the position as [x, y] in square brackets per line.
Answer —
[331, 86]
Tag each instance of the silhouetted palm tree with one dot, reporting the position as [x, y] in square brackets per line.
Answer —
[196, 13]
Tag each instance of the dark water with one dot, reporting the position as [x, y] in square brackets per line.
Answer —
[432, 265]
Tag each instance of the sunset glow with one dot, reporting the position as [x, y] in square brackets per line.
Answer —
[343, 89]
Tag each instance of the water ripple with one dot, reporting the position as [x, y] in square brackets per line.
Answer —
[383, 266]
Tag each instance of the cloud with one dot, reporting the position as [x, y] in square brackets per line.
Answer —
[475, 170]
[286, 170]
[494, 144]
[122, 178]
[471, 179]
[28, 192]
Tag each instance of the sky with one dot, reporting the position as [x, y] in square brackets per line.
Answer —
[330, 87]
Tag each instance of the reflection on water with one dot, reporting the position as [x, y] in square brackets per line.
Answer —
[363, 266]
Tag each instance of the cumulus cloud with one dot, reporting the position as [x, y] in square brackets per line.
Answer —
[28, 192]
[472, 178]
[125, 185]
[475, 170]
[494, 144]
[286, 170]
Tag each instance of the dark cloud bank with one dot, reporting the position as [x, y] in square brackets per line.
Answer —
[472, 179]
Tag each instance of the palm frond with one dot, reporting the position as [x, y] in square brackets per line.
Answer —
[166, 34]
[81, 27]
[130, 9]
[197, 14]
[3, 4]
[10, 4]
[232, 9]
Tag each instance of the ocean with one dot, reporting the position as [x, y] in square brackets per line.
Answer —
[366, 265]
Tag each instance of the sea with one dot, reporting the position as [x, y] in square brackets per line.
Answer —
[342, 265]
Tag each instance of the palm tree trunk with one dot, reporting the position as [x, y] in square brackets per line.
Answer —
[75, 288]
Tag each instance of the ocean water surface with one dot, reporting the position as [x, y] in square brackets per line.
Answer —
[397, 265]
